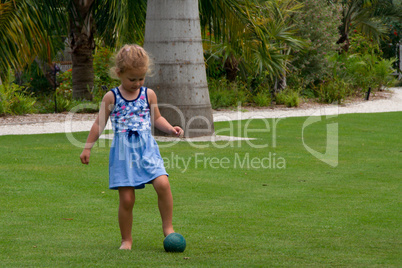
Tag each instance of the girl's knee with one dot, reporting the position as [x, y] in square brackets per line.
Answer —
[127, 197]
[161, 184]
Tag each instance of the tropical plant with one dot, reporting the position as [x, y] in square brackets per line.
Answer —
[359, 71]
[223, 32]
[26, 35]
[364, 16]
[369, 71]
[119, 22]
[259, 43]
[272, 35]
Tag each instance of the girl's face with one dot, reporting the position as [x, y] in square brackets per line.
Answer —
[133, 79]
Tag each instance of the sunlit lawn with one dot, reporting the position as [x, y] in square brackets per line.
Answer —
[237, 205]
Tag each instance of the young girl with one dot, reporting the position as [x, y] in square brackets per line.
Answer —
[134, 155]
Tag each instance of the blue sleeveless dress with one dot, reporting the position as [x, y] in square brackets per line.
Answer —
[134, 158]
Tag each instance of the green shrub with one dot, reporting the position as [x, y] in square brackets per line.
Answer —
[102, 61]
[362, 71]
[22, 104]
[97, 94]
[361, 45]
[15, 101]
[224, 94]
[65, 82]
[220, 99]
[317, 23]
[38, 83]
[382, 73]
[333, 91]
[64, 93]
[262, 99]
[63, 104]
[288, 97]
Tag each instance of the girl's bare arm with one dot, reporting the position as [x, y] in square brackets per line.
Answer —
[98, 126]
[158, 120]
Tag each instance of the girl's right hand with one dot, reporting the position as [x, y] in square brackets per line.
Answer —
[86, 153]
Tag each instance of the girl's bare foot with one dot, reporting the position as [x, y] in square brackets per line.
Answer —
[126, 245]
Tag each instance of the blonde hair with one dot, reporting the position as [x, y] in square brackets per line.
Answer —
[130, 57]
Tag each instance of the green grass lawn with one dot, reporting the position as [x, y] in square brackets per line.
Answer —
[237, 205]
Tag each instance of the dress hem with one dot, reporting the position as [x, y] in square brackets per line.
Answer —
[139, 186]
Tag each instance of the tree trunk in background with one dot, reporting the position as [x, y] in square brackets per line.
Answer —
[82, 45]
[173, 39]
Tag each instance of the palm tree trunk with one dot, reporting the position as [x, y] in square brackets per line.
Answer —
[231, 67]
[173, 38]
[82, 45]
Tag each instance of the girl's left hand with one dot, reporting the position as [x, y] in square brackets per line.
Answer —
[178, 131]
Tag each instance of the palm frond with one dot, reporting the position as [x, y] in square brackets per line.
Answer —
[28, 29]
[222, 19]
[120, 21]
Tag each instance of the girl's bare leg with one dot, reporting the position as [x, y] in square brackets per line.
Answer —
[165, 203]
[127, 199]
